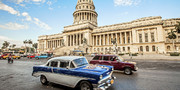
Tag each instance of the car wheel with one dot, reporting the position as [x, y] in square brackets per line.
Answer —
[43, 80]
[128, 71]
[84, 85]
[37, 58]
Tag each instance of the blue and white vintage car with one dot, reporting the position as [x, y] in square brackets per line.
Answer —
[75, 72]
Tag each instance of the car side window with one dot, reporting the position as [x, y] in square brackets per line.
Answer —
[105, 58]
[54, 64]
[96, 58]
[112, 58]
[64, 64]
[47, 64]
[72, 65]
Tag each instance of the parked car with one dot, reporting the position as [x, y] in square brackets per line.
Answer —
[31, 56]
[1, 57]
[116, 61]
[14, 57]
[75, 71]
[42, 56]
[93, 54]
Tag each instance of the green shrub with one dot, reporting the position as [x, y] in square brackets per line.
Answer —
[121, 54]
[174, 54]
[133, 54]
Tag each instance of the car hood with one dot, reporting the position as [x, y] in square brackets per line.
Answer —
[95, 68]
[130, 62]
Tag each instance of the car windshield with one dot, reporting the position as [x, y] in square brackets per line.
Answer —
[120, 58]
[80, 62]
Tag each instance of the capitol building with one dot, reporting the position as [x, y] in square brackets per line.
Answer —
[144, 35]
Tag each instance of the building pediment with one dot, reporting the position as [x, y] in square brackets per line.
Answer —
[77, 27]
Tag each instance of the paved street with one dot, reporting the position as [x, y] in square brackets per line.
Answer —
[152, 75]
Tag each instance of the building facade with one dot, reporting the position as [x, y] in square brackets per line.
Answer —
[144, 35]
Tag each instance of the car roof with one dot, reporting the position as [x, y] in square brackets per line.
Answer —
[65, 58]
[104, 55]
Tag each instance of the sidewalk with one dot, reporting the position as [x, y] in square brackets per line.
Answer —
[152, 57]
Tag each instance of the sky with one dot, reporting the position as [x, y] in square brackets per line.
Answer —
[27, 19]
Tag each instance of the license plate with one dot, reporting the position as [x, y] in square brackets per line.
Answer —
[112, 81]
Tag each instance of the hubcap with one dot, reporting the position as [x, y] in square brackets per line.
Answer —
[127, 71]
[85, 87]
[43, 80]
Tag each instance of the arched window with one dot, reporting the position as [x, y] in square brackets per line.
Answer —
[123, 48]
[102, 49]
[153, 48]
[168, 48]
[128, 48]
[119, 49]
[105, 49]
[110, 49]
[141, 48]
[147, 48]
[98, 49]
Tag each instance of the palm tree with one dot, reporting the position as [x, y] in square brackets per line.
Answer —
[172, 36]
[5, 45]
[14, 45]
[30, 43]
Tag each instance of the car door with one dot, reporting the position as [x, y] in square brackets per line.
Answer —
[105, 60]
[62, 73]
[116, 63]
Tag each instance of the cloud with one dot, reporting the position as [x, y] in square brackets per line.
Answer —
[25, 14]
[12, 41]
[13, 26]
[126, 2]
[16, 26]
[41, 24]
[8, 9]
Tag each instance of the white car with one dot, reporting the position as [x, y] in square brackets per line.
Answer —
[75, 71]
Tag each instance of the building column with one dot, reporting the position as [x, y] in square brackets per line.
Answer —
[130, 37]
[96, 40]
[70, 40]
[76, 39]
[104, 43]
[107, 39]
[79, 39]
[116, 38]
[125, 38]
[100, 40]
[143, 36]
[149, 35]
[92, 40]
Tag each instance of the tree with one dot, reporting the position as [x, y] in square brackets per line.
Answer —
[172, 36]
[35, 45]
[5, 45]
[14, 45]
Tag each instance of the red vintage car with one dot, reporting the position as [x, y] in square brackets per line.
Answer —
[116, 61]
[31, 56]
[1, 57]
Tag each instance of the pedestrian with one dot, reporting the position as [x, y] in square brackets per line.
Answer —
[10, 59]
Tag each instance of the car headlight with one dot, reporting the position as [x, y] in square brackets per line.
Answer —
[100, 77]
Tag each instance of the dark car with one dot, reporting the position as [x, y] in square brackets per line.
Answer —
[116, 61]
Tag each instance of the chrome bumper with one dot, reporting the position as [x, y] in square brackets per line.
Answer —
[106, 84]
